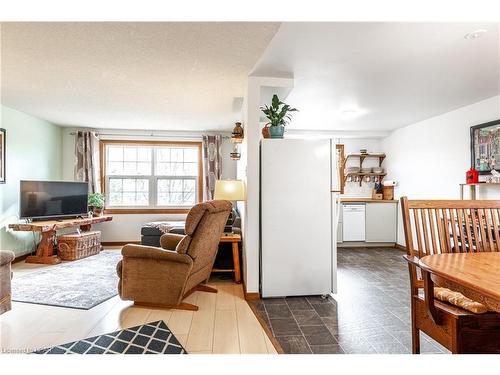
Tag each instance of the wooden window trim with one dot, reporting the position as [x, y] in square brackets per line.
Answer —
[118, 211]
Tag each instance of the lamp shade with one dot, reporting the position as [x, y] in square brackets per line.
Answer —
[231, 190]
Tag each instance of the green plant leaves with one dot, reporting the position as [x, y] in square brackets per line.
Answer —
[278, 112]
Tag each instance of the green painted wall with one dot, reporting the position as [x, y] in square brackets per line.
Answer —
[34, 152]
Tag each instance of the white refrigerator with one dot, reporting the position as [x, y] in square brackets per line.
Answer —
[299, 216]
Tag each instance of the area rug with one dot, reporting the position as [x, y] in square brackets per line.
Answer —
[81, 284]
[150, 338]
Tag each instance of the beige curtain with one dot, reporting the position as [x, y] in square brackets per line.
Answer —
[87, 163]
[212, 164]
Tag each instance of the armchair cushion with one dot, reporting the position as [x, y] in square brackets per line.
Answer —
[170, 241]
[156, 253]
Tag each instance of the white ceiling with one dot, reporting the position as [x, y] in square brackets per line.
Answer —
[192, 76]
[169, 76]
[395, 73]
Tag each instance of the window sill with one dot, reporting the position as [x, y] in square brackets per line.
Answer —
[137, 211]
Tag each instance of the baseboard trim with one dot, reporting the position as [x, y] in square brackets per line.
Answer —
[252, 296]
[120, 243]
[400, 247]
[353, 244]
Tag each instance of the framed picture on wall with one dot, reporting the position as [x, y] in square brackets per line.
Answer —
[485, 146]
[2, 156]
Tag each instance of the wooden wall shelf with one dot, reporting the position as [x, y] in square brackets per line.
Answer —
[362, 157]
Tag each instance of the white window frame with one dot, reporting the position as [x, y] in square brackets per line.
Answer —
[152, 178]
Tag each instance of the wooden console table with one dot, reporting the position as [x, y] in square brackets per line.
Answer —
[234, 239]
[45, 250]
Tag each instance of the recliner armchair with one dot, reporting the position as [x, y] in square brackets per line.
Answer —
[162, 277]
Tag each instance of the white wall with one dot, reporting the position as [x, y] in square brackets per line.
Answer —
[128, 227]
[430, 158]
[33, 153]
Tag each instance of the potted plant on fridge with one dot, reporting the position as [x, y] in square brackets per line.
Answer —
[278, 115]
[96, 203]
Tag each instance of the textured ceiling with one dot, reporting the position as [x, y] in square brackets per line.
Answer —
[180, 76]
[393, 74]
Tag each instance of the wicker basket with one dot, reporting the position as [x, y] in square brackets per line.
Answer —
[79, 245]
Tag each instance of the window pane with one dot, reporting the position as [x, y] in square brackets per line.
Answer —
[189, 185]
[130, 154]
[114, 168]
[189, 199]
[132, 161]
[128, 185]
[128, 192]
[176, 186]
[177, 169]
[115, 153]
[115, 199]
[144, 168]
[177, 154]
[176, 161]
[190, 155]
[190, 169]
[176, 192]
[163, 169]
[144, 154]
[163, 154]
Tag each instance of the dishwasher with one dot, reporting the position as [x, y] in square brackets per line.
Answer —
[353, 222]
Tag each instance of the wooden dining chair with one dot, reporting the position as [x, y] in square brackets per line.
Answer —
[449, 226]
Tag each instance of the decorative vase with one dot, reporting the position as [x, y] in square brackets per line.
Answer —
[277, 131]
[97, 211]
[237, 134]
[265, 131]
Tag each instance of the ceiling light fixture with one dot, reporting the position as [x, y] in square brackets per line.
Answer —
[475, 34]
[350, 113]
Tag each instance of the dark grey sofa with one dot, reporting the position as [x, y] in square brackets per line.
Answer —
[150, 233]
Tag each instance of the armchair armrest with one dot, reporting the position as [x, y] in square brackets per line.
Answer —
[156, 253]
[6, 257]
[169, 241]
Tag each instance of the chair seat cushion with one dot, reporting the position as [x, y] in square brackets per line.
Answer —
[459, 300]
[153, 228]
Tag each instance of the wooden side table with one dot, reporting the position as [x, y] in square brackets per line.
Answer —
[234, 239]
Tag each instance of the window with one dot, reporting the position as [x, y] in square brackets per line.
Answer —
[151, 175]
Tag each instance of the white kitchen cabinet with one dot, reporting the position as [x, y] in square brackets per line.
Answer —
[381, 222]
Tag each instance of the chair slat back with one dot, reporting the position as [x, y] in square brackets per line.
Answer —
[450, 226]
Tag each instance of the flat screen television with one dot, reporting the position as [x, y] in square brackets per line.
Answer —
[53, 199]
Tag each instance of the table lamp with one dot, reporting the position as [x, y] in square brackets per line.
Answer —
[231, 190]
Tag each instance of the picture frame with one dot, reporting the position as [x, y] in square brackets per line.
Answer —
[3, 153]
[485, 147]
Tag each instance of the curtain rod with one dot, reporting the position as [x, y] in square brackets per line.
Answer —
[151, 135]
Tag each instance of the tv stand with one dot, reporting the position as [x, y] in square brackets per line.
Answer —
[45, 253]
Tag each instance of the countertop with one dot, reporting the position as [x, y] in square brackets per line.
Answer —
[366, 200]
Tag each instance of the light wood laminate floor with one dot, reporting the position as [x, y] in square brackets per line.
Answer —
[224, 324]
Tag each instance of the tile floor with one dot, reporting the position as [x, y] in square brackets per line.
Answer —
[370, 313]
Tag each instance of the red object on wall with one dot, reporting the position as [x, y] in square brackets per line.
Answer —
[472, 176]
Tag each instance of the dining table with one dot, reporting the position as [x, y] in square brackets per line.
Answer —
[475, 275]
